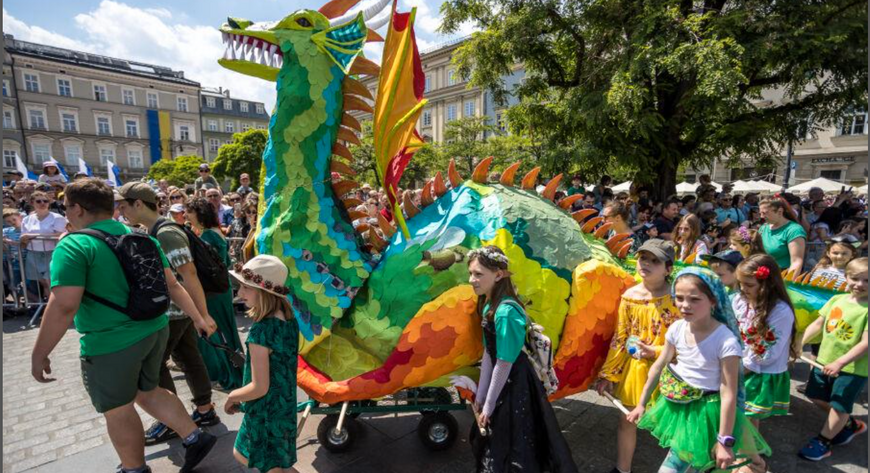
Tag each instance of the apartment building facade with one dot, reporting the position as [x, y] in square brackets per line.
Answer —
[68, 105]
[223, 116]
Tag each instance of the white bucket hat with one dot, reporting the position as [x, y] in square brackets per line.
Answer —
[264, 272]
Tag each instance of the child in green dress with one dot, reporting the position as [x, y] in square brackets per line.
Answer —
[267, 438]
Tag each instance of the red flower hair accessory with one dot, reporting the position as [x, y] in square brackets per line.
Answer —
[762, 273]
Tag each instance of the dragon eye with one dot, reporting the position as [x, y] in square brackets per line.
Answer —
[303, 22]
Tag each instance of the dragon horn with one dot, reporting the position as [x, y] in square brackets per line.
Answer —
[368, 13]
[616, 241]
[337, 7]
[354, 87]
[356, 215]
[344, 134]
[591, 223]
[567, 202]
[386, 227]
[410, 209]
[343, 187]
[364, 66]
[623, 252]
[690, 259]
[349, 121]
[339, 149]
[602, 230]
[479, 174]
[455, 179]
[507, 177]
[440, 188]
[377, 242]
[372, 36]
[426, 198]
[581, 215]
[351, 202]
[550, 189]
[529, 179]
[341, 168]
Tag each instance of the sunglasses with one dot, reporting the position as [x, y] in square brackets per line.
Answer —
[235, 200]
[203, 170]
[41, 201]
[251, 212]
[176, 197]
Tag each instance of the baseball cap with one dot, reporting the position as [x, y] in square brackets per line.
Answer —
[204, 167]
[845, 238]
[176, 208]
[136, 191]
[731, 257]
[49, 164]
[661, 249]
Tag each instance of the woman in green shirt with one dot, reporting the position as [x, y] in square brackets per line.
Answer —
[783, 238]
[203, 216]
[523, 432]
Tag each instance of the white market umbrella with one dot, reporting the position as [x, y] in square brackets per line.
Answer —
[825, 184]
[716, 185]
[684, 188]
[743, 187]
[624, 187]
[861, 190]
[766, 187]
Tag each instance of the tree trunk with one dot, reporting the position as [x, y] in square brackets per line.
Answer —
[666, 183]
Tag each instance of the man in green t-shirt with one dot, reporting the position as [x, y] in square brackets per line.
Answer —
[843, 352]
[120, 357]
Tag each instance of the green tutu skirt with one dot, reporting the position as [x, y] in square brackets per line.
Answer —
[690, 430]
[767, 394]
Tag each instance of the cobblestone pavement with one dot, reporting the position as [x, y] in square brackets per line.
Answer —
[53, 428]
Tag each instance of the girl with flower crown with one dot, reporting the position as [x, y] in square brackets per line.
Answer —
[767, 327]
[267, 437]
[745, 240]
[696, 415]
[522, 431]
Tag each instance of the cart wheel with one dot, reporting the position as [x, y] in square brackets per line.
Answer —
[437, 431]
[337, 441]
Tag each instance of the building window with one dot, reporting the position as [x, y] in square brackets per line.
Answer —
[100, 94]
[69, 120]
[227, 142]
[212, 125]
[128, 96]
[8, 120]
[228, 104]
[134, 158]
[260, 109]
[499, 120]
[41, 152]
[64, 87]
[6, 88]
[229, 127]
[427, 118]
[469, 108]
[182, 104]
[209, 102]
[246, 127]
[243, 106]
[832, 174]
[37, 119]
[73, 152]
[9, 158]
[132, 127]
[31, 82]
[451, 77]
[106, 155]
[104, 126]
[451, 112]
[184, 133]
[428, 85]
[855, 124]
[152, 100]
[261, 127]
[213, 144]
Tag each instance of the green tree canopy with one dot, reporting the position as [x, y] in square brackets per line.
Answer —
[426, 161]
[178, 171]
[648, 85]
[243, 155]
[464, 140]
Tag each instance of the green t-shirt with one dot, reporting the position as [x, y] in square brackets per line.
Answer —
[84, 261]
[776, 241]
[576, 190]
[510, 331]
[845, 324]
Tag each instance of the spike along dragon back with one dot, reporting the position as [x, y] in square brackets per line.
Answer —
[377, 315]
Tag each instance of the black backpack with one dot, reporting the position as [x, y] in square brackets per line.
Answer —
[140, 260]
[210, 268]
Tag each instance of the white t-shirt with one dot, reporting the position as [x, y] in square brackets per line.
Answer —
[52, 223]
[698, 365]
[765, 353]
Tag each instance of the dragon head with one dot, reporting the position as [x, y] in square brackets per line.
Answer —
[263, 49]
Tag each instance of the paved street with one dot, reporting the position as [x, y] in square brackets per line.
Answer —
[53, 428]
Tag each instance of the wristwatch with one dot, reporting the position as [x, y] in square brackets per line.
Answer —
[725, 440]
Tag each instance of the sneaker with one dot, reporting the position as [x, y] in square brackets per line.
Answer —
[815, 450]
[847, 434]
[196, 452]
[158, 433]
[205, 420]
[146, 470]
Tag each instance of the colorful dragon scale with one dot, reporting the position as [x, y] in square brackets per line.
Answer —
[403, 315]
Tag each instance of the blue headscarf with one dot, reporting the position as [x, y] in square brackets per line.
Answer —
[722, 312]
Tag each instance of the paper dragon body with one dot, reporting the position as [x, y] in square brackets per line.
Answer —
[379, 316]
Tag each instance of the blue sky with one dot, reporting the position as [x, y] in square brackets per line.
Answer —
[178, 34]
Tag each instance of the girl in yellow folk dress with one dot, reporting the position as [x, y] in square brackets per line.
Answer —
[645, 313]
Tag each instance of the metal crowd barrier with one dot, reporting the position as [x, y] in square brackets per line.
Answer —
[19, 291]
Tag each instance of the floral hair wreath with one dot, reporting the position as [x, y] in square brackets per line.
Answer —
[762, 273]
[490, 253]
[258, 280]
[744, 234]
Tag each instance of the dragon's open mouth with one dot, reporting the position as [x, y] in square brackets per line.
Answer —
[251, 49]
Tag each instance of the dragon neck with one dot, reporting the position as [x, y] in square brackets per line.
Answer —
[301, 220]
